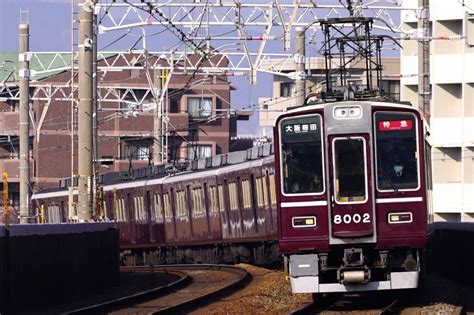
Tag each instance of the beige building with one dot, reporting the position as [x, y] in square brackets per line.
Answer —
[284, 91]
[452, 103]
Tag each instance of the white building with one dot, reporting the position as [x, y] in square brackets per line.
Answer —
[452, 103]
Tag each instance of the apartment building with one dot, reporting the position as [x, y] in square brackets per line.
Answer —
[200, 122]
[452, 102]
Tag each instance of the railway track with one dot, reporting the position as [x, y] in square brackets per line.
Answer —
[197, 285]
[373, 302]
[379, 303]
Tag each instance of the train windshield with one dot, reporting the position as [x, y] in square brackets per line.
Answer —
[301, 155]
[397, 155]
[349, 170]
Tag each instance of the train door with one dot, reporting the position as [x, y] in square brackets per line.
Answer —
[223, 200]
[169, 227]
[352, 211]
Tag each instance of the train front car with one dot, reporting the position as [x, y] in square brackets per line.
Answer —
[352, 204]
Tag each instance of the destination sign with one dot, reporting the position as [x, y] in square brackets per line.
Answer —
[390, 125]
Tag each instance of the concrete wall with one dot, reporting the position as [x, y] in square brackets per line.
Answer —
[50, 264]
[450, 253]
[3, 290]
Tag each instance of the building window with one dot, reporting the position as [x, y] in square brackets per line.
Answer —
[392, 88]
[199, 106]
[137, 149]
[195, 152]
[287, 89]
[174, 107]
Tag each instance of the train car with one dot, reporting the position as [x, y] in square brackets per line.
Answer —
[352, 195]
[217, 210]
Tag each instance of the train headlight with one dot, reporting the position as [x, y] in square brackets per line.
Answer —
[347, 112]
[300, 222]
[400, 217]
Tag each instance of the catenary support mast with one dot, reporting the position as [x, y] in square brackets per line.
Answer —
[24, 84]
[85, 110]
[424, 89]
[300, 81]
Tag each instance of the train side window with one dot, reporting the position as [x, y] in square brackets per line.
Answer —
[121, 217]
[178, 203]
[246, 194]
[265, 190]
[396, 145]
[199, 205]
[181, 203]
[194, 201]
[213, 199]
[220, 190]
[106, 213]
[118, 206]
[272, 189]
[138, 209]
[118, 210]
[141, 208]
[259, 188]
[167, 205]
[135, 208]
[158, 207]
[233, 196]
[302, 155]
[124, 210]
[144, 214]
[201, 200]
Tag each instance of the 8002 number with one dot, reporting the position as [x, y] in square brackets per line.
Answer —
[355, 218]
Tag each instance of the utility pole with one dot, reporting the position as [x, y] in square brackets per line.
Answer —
[84, 211]
[24, 84]
[157, 117]
[424, 89]
[300, 80]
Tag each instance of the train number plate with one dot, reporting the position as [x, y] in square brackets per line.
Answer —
[354, 218]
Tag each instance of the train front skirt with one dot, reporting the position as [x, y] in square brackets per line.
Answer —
[304, 278]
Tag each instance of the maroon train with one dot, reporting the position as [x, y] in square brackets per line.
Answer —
[352, 195]
[347, 185]
[222, 209]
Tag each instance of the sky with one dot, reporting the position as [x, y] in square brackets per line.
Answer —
[50, 23]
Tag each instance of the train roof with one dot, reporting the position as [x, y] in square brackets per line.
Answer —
[380, 103]
[212, 166]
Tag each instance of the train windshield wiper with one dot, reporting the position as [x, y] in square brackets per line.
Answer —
[389, 181]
